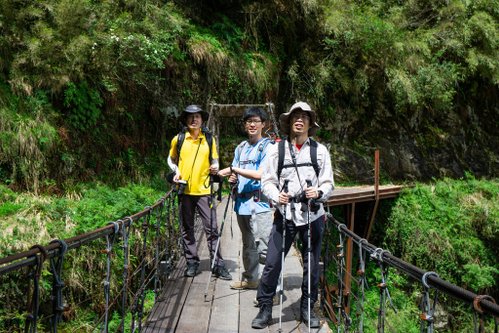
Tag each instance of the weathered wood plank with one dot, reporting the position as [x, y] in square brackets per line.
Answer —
[168, 307]
[196, 312]
[167, 311]
[225, 301]
[182, 307]
[292, 291]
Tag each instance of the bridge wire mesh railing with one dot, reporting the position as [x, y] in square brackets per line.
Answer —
[336, 301]
[143, 246]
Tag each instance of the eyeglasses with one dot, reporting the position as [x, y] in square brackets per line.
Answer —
[252, 121]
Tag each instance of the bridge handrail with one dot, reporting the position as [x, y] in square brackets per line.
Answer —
[477, 301]
[28, 258]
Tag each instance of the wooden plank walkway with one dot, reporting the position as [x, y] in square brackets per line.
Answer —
[182, 306]
[346, 195]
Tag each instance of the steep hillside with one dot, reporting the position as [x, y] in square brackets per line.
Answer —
[91, 90]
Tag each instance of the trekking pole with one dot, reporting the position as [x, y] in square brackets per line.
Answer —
[281, 291]
[212, 206]
[309, 184]
[216, 248]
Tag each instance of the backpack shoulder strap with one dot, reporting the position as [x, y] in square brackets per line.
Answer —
[240, 147]
[207, 134]
[180, 141]
[313, 156]
[264, 143]
[261, 147]
[239, 151]
[209, 140]
[280, 161]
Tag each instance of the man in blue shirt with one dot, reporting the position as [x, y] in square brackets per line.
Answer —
[254, 214]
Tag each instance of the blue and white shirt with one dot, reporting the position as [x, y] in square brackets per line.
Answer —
[249, 200]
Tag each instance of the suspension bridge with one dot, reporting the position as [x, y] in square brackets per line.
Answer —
[141, 255]
[142, 288]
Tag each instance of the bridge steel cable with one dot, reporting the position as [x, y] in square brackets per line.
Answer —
[157, 250]
[56, 251]
[139, 302]
[125, 233]
[34, 298]
[56, 264]
[110, 239]
[482, 302]
[28, 258]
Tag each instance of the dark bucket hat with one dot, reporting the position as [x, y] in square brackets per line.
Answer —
[193, 109]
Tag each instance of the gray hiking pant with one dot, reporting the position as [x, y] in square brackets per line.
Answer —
[255, 233]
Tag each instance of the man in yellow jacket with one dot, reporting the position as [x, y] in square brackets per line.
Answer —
[194, 164]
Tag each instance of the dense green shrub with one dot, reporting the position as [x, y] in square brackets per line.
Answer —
[27, 140]
[451, 227]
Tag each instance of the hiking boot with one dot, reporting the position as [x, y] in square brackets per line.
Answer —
[314, 321]
[263, 318]
[222, 273]
[192, 269]
[239, 285]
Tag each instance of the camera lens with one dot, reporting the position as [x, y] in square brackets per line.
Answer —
[181, 186]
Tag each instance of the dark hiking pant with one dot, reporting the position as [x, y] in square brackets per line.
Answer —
[272, 270]
[188, 204]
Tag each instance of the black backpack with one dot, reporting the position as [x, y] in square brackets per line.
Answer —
[313, 158]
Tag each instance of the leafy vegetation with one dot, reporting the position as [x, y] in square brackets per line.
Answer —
[453, 229]
[104, 82]
[109, 80]
[447, 226]
[28, 219]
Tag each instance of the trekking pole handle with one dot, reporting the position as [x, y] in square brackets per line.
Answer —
[233, 187]
[310, 200]
[285, 186]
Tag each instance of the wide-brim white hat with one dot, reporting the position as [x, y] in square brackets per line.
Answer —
[284, 118]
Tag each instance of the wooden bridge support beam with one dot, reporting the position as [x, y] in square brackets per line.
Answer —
[376, 193]
[348, 258]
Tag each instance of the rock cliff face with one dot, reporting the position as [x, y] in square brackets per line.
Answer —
[434, 146]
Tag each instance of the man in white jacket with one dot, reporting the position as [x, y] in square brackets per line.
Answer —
[297, 180]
